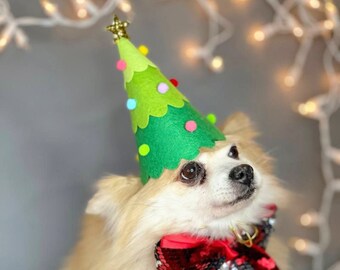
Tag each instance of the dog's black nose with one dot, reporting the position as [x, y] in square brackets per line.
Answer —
[243, 174]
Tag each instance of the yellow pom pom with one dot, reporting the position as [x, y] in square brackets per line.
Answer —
[143, 49]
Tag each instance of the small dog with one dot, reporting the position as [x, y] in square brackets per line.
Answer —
[228, 185]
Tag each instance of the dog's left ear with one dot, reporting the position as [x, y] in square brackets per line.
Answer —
[239, 124]
[112, 194]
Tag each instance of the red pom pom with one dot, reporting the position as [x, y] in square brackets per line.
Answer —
[174, 82]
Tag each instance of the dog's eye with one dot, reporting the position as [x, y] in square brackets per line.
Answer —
[192, 173]
[233, 152]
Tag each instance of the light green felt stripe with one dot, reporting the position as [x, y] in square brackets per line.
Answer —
[170, 142]
[143, 88]
[135, 60]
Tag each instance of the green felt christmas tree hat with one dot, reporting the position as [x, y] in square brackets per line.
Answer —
[167, 128]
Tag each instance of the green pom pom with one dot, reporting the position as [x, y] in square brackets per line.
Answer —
[144, 149]
[212, 118]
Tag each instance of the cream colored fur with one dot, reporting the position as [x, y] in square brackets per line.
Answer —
[124, 219]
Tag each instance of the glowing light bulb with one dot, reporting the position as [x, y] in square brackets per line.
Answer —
[49, 7]
[289, 80]
[314, 4]
[302, 109]
[191, 52]
[306, 219]
[240, 2]
[216, 64]
[125, 6]
[330, 7]
[212, 5]
[3, 42]
[82, 13]
[80, 2]
[336, 158]
[298, 31]
[328, 24]
[259, 35]
[300, 245]
[310, 106]
[309, 219]
[305, 247]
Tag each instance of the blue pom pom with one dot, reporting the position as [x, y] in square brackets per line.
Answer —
[131, 104]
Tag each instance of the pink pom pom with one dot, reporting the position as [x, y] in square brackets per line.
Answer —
[121, 65]
[191, 126]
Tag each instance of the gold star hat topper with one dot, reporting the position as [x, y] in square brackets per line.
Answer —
[166, 127]
[118, 29]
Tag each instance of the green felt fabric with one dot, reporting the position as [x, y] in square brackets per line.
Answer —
[170, 142]
[135, 60]
[143, 88]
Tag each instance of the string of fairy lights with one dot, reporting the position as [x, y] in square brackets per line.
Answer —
[292, 17]
[220, 30]
[88, 13]
[301, 19]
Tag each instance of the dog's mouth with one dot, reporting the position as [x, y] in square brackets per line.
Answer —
[245, 196]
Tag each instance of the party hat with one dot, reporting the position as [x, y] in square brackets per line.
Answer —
[167, 128]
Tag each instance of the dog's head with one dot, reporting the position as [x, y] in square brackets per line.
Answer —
[228, 185]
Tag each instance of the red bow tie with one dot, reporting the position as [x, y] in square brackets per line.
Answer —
[205, 245]
[186, 252]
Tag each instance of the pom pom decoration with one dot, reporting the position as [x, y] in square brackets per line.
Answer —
[121, 65]
[144, 149]
[212, 118]
[167, 128]
[163, 88]
[191, 126]
[131, 104]
[143, 49]
[174, 82]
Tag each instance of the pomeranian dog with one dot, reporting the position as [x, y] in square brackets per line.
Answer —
[228, 185]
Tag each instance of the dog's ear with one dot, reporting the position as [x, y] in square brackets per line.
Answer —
[112, 194]
[239, 124]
